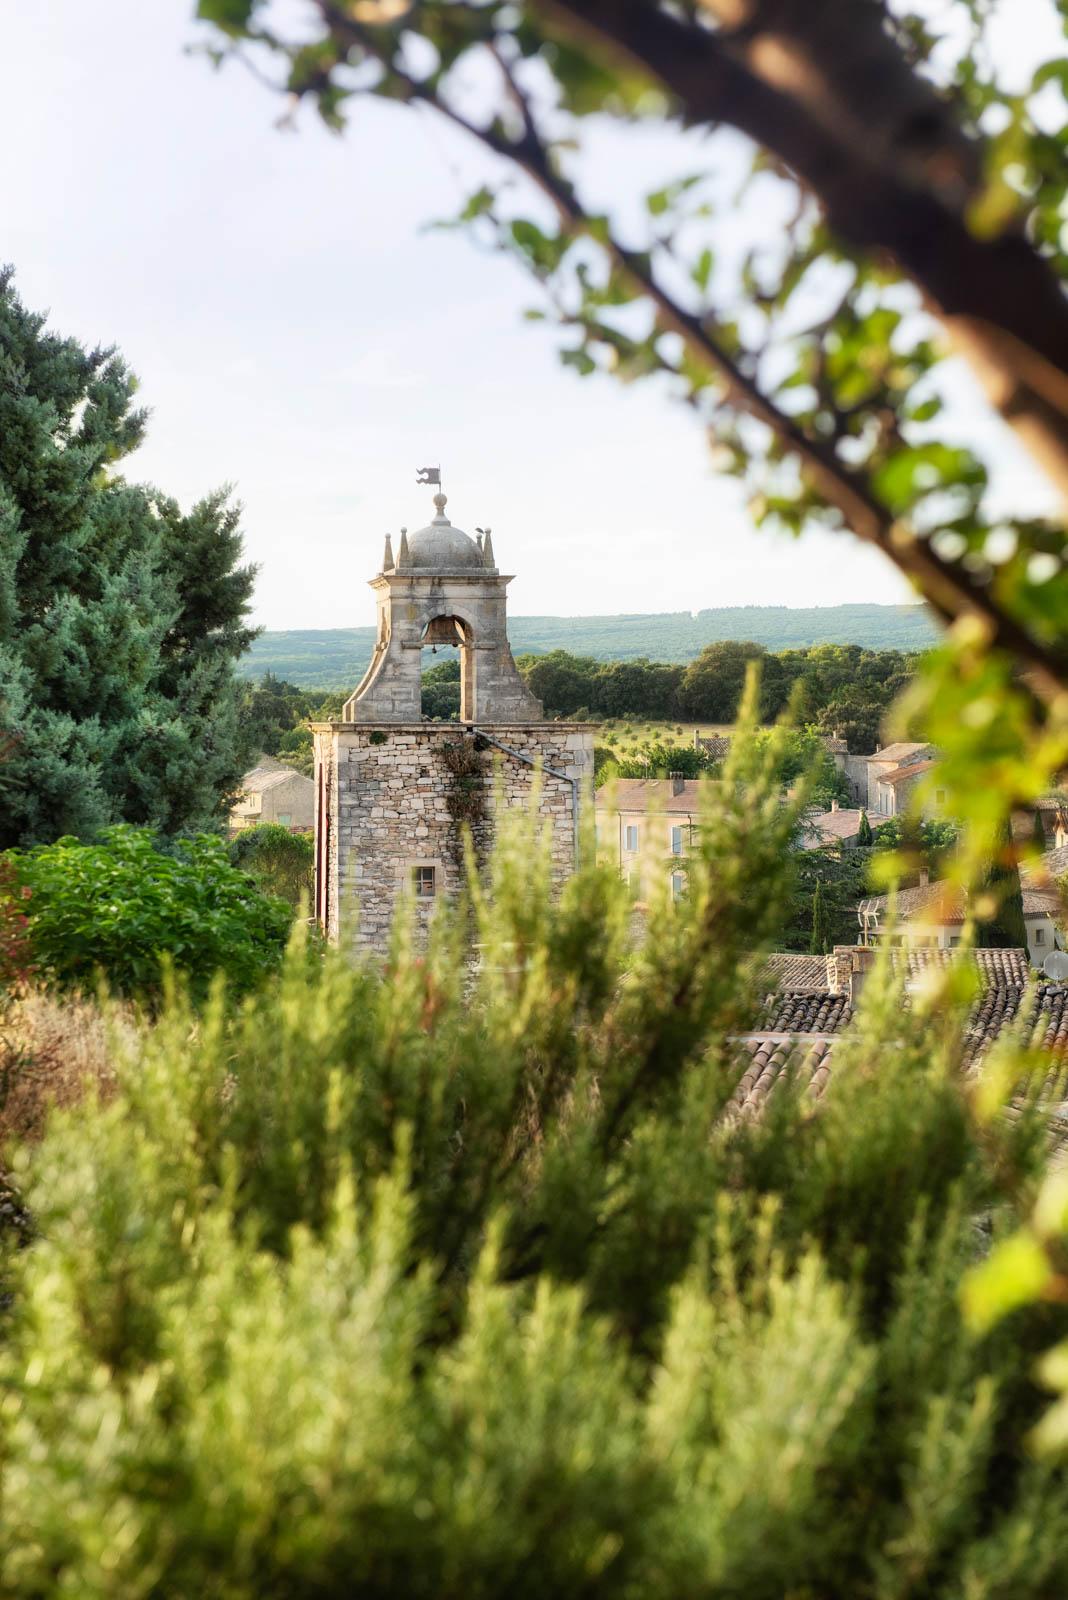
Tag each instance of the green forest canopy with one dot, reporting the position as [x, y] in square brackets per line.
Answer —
[839, 688]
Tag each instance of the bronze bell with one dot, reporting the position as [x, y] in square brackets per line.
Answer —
[443, 630]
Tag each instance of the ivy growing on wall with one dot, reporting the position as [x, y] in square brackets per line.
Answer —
[466, 794]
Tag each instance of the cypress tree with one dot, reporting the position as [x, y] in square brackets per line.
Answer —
[999, 900]
[120, 617]
[1038, 832]
[818, 946]
[865, 837]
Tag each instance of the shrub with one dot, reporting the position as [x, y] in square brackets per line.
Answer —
[444, 1282]
[123, 908]
[15, 957]
[53, 1052]
[281, 863]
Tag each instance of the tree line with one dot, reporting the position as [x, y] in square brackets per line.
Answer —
[838, 688]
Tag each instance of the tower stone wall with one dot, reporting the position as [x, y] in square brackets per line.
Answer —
[388, 789]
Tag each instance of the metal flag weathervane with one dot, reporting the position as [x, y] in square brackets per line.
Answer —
[428, 475]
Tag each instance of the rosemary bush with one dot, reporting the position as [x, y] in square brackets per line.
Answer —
[435, 1283]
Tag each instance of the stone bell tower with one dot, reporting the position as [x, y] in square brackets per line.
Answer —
[390, 799]
[441, 589]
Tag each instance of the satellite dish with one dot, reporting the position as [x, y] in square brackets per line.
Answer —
[1055, 965]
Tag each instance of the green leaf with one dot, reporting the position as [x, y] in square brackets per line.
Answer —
[232, 16]
[701, 270]
[1015, 1275]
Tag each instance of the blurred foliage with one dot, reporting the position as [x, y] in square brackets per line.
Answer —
[447, 1282]
[124, 911]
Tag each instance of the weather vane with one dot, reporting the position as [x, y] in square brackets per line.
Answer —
[428, 475]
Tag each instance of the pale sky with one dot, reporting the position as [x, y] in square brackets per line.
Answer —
[298, 335]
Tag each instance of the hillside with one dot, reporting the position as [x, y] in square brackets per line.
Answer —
[330, 658]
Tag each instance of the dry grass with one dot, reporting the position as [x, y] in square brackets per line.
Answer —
[52, 1053]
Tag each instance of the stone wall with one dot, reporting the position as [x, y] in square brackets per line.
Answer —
[389, 789]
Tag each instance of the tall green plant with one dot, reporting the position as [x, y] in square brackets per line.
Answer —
[818, 944]
[450, 1281]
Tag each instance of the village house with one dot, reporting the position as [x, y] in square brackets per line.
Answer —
[273, 792]
[645, 826]
[932, 915]
[883, 783]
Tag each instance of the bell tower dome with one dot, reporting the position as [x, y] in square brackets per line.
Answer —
[441, 587]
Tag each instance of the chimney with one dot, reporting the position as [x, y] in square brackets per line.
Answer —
[678, 782]
[925, 877]
[852, 963]
[834, 805]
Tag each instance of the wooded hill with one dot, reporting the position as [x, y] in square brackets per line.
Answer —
[329, 658]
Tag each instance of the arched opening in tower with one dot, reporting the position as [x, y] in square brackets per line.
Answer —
[444, 663]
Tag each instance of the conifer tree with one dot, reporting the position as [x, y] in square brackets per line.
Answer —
[819, 923]
[999, 900]
[865, 837]
[120, 617]
[1038, 832]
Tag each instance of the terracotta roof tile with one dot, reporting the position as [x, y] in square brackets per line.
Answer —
[897, 752]
[941, 902]
[651, 794]
[826, 827]
[802, 1011]
[1051, 865]
[907, 769]
[768, 1060]
[801, 972]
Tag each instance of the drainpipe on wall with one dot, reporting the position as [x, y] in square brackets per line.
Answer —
[553, 772]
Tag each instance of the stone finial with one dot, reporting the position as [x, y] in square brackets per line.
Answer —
[440, 502]
[387, 557]
[478, 539]
[403, 558]
[487, 549]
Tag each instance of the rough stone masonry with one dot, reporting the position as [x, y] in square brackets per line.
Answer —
[393, 790]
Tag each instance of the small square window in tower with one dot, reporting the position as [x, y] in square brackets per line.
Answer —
[425, 880]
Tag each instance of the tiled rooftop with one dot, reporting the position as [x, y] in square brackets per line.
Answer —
[801, 972]
[767, 1060]
[827, 827]
[803, 1019]
[897, 752]
[995, 966]
[940, 903]
[669, 795]
[802, 1011]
